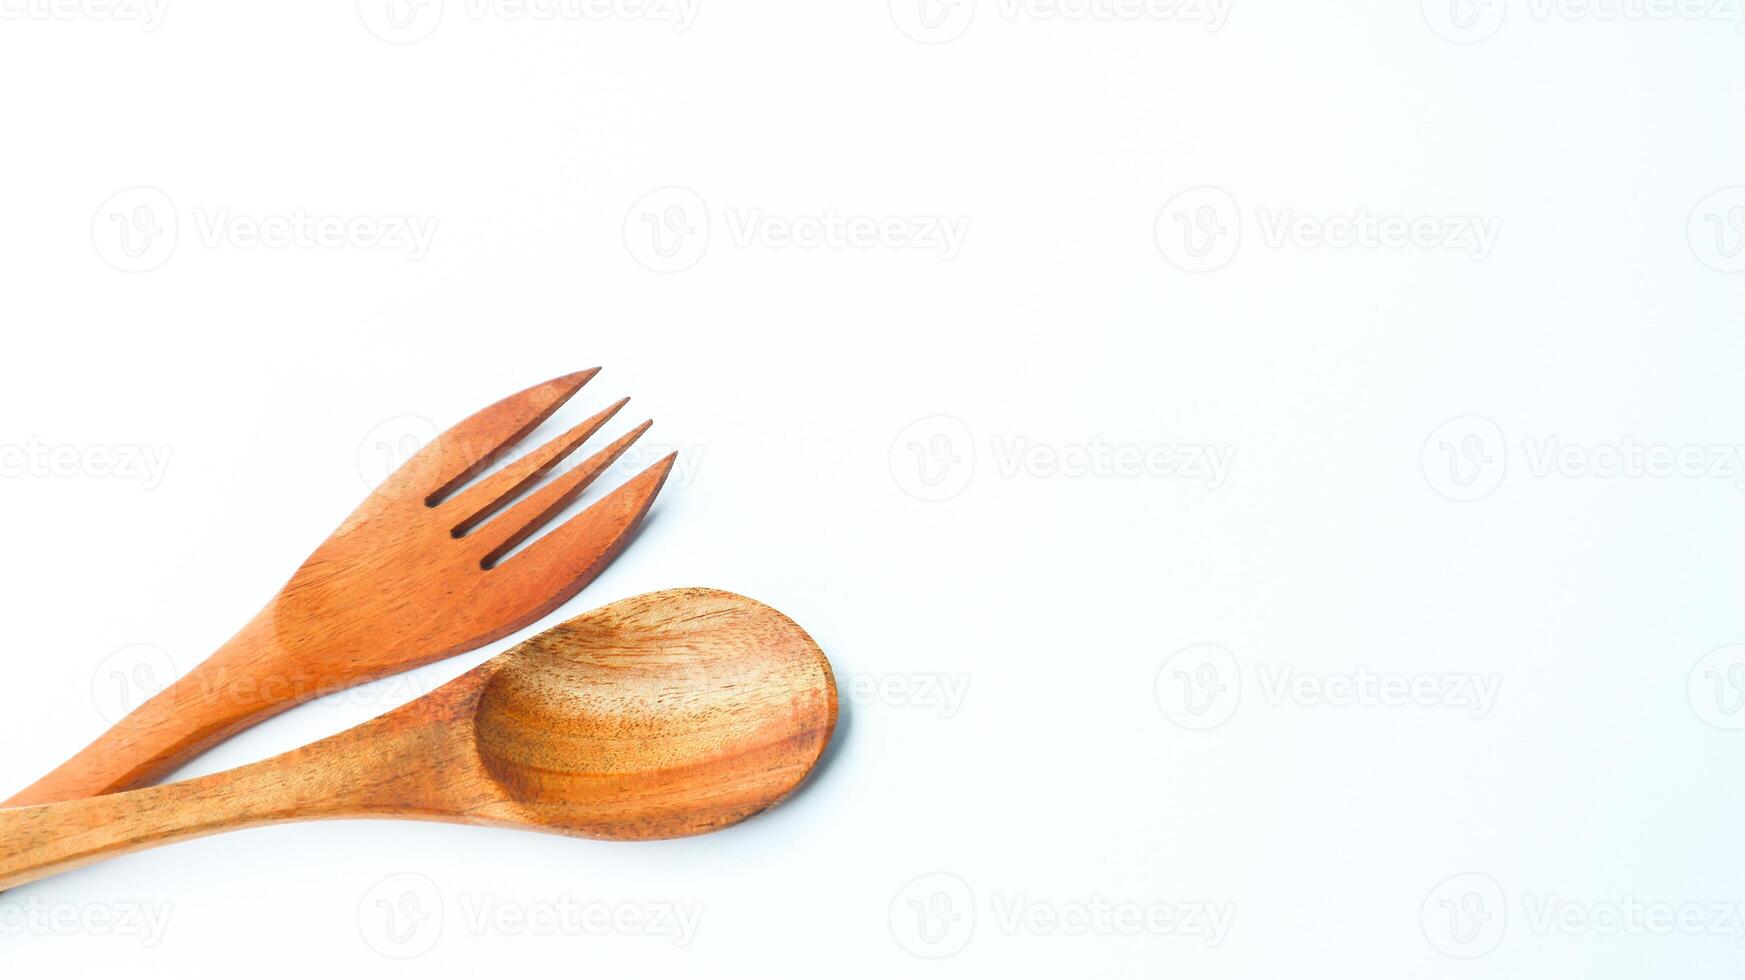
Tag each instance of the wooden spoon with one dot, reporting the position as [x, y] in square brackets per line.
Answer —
[668, 714]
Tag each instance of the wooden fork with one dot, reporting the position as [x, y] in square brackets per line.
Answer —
[415, 574]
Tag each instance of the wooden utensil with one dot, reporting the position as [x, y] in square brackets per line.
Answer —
[668, 714]
[414, 575]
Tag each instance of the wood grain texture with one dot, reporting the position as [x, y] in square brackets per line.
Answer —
[414, 575]
[665, 715]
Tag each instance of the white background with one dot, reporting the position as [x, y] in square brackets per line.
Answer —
[823, 395]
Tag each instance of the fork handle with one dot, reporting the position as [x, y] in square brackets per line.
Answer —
[223, 695]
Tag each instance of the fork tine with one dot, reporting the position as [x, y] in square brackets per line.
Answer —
[491, 494]
[472, 445]
[524, 519]
[568, 558]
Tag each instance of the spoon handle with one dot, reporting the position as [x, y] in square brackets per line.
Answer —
[38, 841]
[364, 771]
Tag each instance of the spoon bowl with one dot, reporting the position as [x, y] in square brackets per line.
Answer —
[633, 725]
